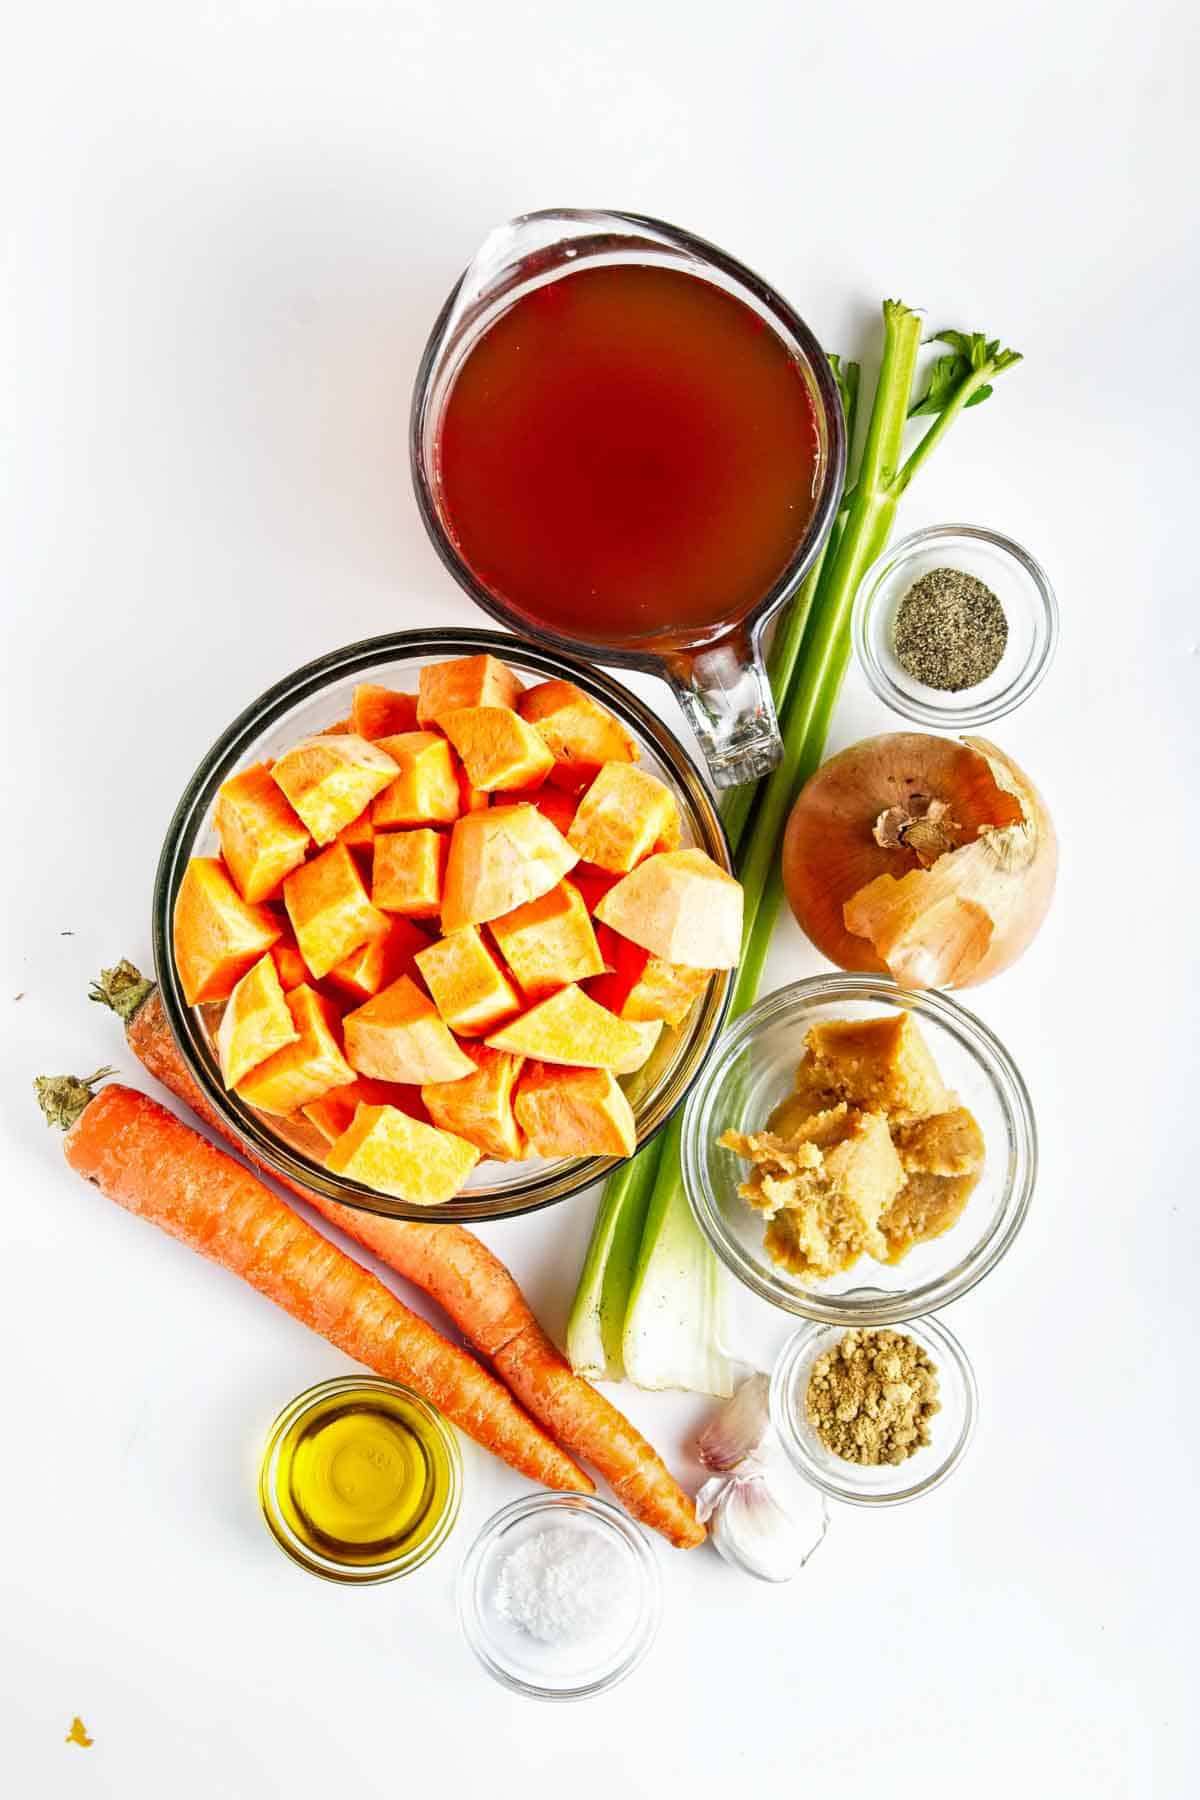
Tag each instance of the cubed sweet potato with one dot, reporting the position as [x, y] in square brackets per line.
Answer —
[570, 1028]
[359, 834]
[498, 860]
[290, 966]
[648, 1033]
[261, 838]
[666, 991]
[400, 1036]
[408, 872]
[572, 778]
[549, 942]
[304, 1070]
[672, 834]
[470, 799]
[681, 906]
[639, 986]
[387, 1150]
[554, 803]
[466, 681]
[469, 988]
[622, 816]
[330, 910]
[574, 1112]
[329, 780]
[380, 961]
[576, 729]
[498, 749]
[593, 883]
[480, 1106]
[425, 791]
[379, 712]
[217, 936]
[619, 957]
[334, 1112]
[255, 1024]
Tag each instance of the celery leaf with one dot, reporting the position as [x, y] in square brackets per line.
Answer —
[968, 352]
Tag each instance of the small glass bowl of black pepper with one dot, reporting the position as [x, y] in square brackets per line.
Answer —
[955, 626]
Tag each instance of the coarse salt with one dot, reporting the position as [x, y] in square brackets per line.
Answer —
[565, 1586]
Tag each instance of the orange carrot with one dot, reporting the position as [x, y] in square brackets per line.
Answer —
[145, 1159]
[471, 1285]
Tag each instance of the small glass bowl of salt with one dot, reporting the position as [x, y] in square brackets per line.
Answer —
[560, 1596]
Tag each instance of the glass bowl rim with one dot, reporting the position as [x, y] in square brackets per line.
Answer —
[867, 1307]
[347, 1574]
[950, 1353]
[561, 1178]
[946, 714]
[649, 1584]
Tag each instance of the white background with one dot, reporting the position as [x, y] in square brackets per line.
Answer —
[227, 230]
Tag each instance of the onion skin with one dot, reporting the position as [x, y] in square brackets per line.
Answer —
[950, 922]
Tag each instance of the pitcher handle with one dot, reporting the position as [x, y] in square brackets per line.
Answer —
[724, 692]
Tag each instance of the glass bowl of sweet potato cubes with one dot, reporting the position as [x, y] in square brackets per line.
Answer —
[445, 925]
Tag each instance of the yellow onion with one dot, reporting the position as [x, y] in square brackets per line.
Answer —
[925, 858]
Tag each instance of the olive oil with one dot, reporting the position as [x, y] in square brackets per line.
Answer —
[360, 1480]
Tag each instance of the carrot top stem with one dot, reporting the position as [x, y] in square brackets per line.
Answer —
[63, 1097]
[123, 989]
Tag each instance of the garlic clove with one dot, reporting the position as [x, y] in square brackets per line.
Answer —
[753, 1532]
[739, 1429]
[707, 1497]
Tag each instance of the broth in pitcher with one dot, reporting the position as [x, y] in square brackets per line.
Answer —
[629, 455]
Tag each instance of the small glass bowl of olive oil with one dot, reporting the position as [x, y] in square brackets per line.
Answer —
[361, 1480]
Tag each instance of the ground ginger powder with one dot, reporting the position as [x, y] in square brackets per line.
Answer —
[871, 1397]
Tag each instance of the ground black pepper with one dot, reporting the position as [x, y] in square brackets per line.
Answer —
[950, 630]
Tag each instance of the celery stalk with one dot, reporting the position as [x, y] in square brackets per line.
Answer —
[597, 1317]
[675, 1326]
[869, 516]
[739, 803]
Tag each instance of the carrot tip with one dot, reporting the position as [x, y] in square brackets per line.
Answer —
[123, 989]
[63, 1097]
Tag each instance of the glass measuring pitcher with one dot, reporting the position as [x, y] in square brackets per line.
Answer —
[627, 445]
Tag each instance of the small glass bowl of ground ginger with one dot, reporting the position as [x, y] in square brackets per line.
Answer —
[857, 1153]
[955, 626]
[874, 1417]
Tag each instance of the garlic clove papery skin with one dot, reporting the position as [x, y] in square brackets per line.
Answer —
[751, 1531]
[740, 1429]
